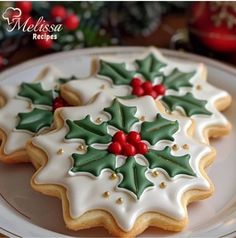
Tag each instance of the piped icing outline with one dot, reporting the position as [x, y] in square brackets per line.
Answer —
[82, 189]
[87, 88]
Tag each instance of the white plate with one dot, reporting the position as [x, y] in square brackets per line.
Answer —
[24, 212]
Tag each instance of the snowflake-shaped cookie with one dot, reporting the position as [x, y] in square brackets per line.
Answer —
[121, 158]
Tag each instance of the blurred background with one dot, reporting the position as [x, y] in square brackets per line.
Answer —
[206, 28]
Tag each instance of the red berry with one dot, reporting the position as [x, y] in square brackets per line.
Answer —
[148, 91]
[115, 148]
[141, 148]
[71, 22]
[136, 82]
[160, 89]
[120, 137]
[223, 41]
[138, 91]
[133, 137]
[128, 150]
[44, 43]
[152, 94]
[58, 12]
[147, 86]
[24, 6]
[58, 102]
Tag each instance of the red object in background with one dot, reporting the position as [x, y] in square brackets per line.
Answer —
[58, 12]
[25, 6]
[45, 43]
[71, 22]
[214, 24]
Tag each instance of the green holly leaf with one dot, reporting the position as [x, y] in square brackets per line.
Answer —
[173, 165]
[190, 104]
[35, 120]
[159, 129]
[177, 79]
[36, 93]
[122, 117]
[116, 72]
[93, 161]
[85, 129]
[150, 67]
[134, 178]
[66, 80]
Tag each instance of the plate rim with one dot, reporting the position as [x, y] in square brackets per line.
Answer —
[114, 49]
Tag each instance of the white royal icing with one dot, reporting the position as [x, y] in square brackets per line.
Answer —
[87, 88]
[16, 139]
[85, 192]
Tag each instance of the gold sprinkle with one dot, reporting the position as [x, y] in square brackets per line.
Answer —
[81, 148]
[142, 118]
[103, 86]
[155, 173]
[60, 151]
[175, 147]
[162, 185]
[120, 200]
[113, 176]
[185, 146]
[99, 120]
[199, 87]
[106, 194]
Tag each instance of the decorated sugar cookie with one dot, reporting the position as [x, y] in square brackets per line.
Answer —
[26, 110]
[181, 87]
[122, 164]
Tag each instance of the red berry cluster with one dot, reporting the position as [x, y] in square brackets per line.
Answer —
[128, 145]
[59, 102]
[141, 88]
[58, 14]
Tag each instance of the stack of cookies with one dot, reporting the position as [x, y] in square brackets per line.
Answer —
[125, 148]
